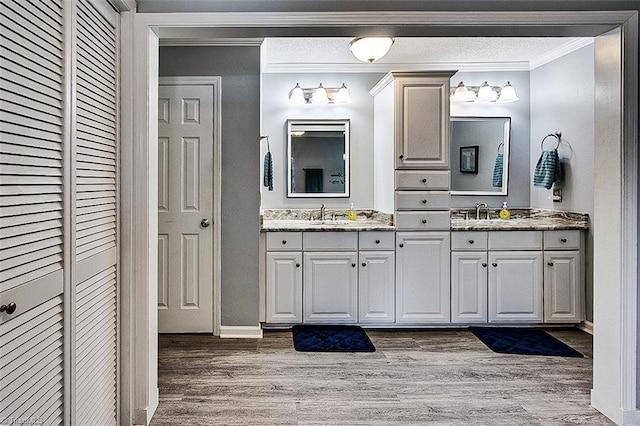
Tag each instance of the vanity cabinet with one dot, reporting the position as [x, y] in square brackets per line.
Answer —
[422, 277]
[563, 277]
[516, 276]
[376, 279]
[284, 277]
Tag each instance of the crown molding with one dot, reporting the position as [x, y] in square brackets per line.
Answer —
[309, 68]
[559, 52]
[211, 42]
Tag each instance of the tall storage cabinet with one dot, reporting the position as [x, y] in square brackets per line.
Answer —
[411, 144]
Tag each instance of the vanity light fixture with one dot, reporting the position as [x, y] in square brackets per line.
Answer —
[484, 93]
[319, 95]
[370, 49]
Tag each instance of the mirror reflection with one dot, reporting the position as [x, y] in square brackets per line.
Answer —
[480, 155]
[318, 158]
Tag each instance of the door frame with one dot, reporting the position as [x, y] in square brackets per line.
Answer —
[216, 83]
[614, 394]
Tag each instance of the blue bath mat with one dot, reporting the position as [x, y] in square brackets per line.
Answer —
[523, 341]
[331, 338]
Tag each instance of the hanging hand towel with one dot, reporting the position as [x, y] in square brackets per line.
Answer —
[268, 171]
[498, 171]
[548, 170]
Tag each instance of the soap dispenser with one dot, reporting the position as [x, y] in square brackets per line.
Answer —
[505, 213]
[352, 213]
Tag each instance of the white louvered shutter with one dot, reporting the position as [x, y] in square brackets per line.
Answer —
[95, 168]
[31, 211]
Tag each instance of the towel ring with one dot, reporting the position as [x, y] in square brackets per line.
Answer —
[500, 146]
[557, 135]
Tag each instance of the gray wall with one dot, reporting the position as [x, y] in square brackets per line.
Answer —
[276, 109]
[563, 100]
[239, 68]
[518, 189]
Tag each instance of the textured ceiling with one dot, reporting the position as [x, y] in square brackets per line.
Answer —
[409, 50]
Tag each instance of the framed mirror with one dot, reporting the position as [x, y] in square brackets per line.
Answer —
[480, 155]
[318, 158]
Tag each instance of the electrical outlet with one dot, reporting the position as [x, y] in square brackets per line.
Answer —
[557, 195]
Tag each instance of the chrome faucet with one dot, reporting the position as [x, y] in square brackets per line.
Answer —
[323, 212]
[479, 206]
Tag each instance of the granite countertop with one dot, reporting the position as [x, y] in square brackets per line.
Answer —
[371, 220]
[521, 220]
[336, 220]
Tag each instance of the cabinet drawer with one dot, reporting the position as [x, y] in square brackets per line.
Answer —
[422, 200]
[561, 240]
[423, 221]
[284, 241]
[377, 240]
[515, 240]
[418, 179]
[333, 241]
[475, 240]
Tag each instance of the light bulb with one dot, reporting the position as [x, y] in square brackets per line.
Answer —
[343, 96]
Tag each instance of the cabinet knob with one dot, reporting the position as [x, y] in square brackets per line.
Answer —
[484, 265]
[563, 240]
[424, 221]
[297, 265]
[377, 241]
[364, 264]
[424, 201]
[401, 156]
[284, 241]
[401, 245]
[424, 180]
[353, 265]
[9, 308]
[550, 263]
[495, 265]
[471, 241]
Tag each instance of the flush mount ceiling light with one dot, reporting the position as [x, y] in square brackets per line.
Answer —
[319, 95]
[370, 49]
[484, 93]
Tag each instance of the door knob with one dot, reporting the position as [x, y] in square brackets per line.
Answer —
[205, 223]
[9, 308]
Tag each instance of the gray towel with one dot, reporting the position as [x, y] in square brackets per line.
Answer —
[268, 171]
[548, 170]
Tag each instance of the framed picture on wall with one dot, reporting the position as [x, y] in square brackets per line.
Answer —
[469, 159]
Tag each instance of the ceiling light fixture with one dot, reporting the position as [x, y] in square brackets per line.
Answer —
[370, 49]
[483, 93]
[319, 95]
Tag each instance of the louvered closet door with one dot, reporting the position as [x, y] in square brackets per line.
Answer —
[31, 211]
[95, 168]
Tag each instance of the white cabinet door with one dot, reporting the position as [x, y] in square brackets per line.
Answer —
[563, 287]
[284, 287]
[515, 286]
[330, 287]
[468, 287]
[422, 277]
[422, 122]
[376, 287]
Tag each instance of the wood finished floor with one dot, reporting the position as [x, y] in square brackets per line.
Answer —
[417, 377]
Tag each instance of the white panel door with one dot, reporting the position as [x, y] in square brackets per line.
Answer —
[423, 277]
[185, 208]
[376, 288]
[330, 287]
[469, 286]
[563, 288]
[515, 286]
[284, 287]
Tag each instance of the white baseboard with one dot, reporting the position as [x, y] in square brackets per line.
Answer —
[631, 418]
[241, 332]
[586, 326]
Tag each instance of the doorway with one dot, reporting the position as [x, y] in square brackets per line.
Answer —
[618, 319]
